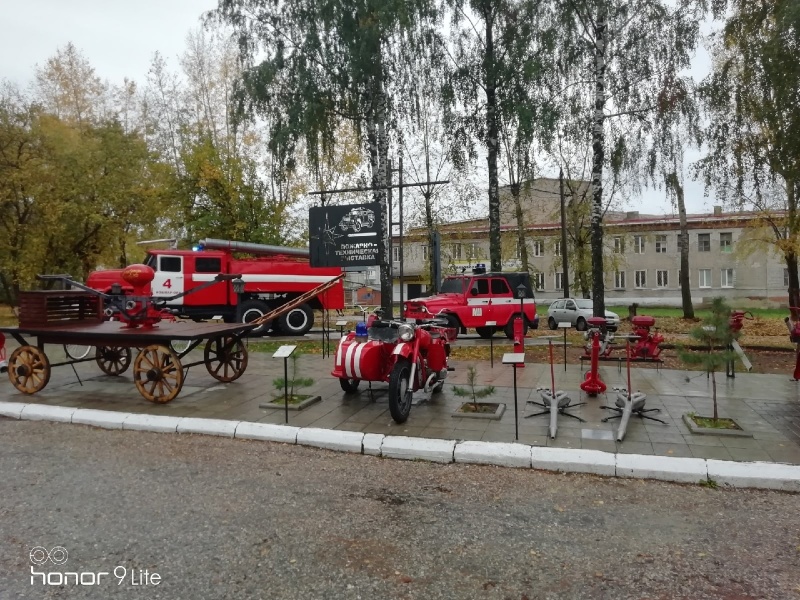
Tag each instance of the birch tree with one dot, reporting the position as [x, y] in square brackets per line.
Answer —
[617, 56]
[752, 99]
[316, 64]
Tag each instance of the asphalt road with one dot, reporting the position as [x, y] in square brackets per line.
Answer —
[219, 518]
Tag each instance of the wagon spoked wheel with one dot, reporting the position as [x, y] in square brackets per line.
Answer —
[28, 369]
[113, 360]
[225, 358]
[157, 373]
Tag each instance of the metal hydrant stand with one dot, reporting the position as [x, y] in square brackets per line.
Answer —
[554, 402]
[593, 385]
[628, 403]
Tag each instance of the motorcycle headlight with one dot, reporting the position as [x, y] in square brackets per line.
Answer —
[406, 332]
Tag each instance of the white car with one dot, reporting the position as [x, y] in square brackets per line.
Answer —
[577, 311]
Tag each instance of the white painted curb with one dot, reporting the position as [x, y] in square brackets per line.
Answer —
[45, 412]
[409, 448]
[208, 426]
[573, 460]
[108, 419]
[157, 423]
[372, 443]
[267, 432]
[665, 468]
[493, 453]
[12, 410]
[763, 475]
[332, 439]
[773, 476]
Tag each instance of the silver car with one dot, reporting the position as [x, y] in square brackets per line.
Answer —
[577, 312]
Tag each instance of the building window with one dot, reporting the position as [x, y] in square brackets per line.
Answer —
[396, 253]
[538, 281]
[661, 244]
[619, 245]
[473, 250]
[640, 279]
[424, 252]
[725, 242]
[538, 248]
[704, 242]
[705, 278]
[662, 279]
[638, 244]
[619, 280]
[559, 281]
[557, 248]
[786, 278]
[456, 252]
[726, 279]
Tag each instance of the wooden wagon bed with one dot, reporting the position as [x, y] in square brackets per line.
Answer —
[157, 370]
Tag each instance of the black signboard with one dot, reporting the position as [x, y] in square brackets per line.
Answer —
[345, 236]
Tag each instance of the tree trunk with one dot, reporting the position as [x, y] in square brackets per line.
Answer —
[714, 394]
[492, 143]
[564, 252]
[598, 151]
[791, 255]
[686, 292]
[384, 195]
[429, 225]
[523, 247]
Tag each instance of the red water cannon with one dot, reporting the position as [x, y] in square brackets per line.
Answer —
[593, 385]
[648, 344]
[736, 321]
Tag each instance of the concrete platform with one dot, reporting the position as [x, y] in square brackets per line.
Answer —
[768, 406]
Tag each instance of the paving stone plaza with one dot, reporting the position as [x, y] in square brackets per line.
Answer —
[767, 407]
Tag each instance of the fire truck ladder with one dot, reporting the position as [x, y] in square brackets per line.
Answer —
[284, 308]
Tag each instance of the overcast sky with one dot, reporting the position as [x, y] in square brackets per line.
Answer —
[119, 39]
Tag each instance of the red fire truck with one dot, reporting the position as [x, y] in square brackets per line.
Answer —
[272, 275]
[488, 302]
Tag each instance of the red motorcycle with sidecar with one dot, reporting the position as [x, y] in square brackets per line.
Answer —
[409, 357]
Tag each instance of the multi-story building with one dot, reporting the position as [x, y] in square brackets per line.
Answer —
[642, 259]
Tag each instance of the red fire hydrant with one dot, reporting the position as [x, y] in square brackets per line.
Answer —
[647, 346]
[593, 385]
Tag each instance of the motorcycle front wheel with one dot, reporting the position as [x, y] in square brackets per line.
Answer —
[400, 391]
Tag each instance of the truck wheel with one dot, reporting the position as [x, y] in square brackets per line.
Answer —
[509, 328]
[485, 332]
[297, 321]
[400, 391]
[252, 310]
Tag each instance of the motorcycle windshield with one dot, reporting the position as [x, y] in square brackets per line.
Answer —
[383, 334]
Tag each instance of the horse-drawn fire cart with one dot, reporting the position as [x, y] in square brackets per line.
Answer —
[77, 318]
[74, 317]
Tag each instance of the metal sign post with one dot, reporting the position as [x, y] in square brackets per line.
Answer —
[285, 352]
[515, 359]
[491, 341]
[565, 325]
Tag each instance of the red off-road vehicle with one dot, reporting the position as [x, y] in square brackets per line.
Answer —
[487, 302]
